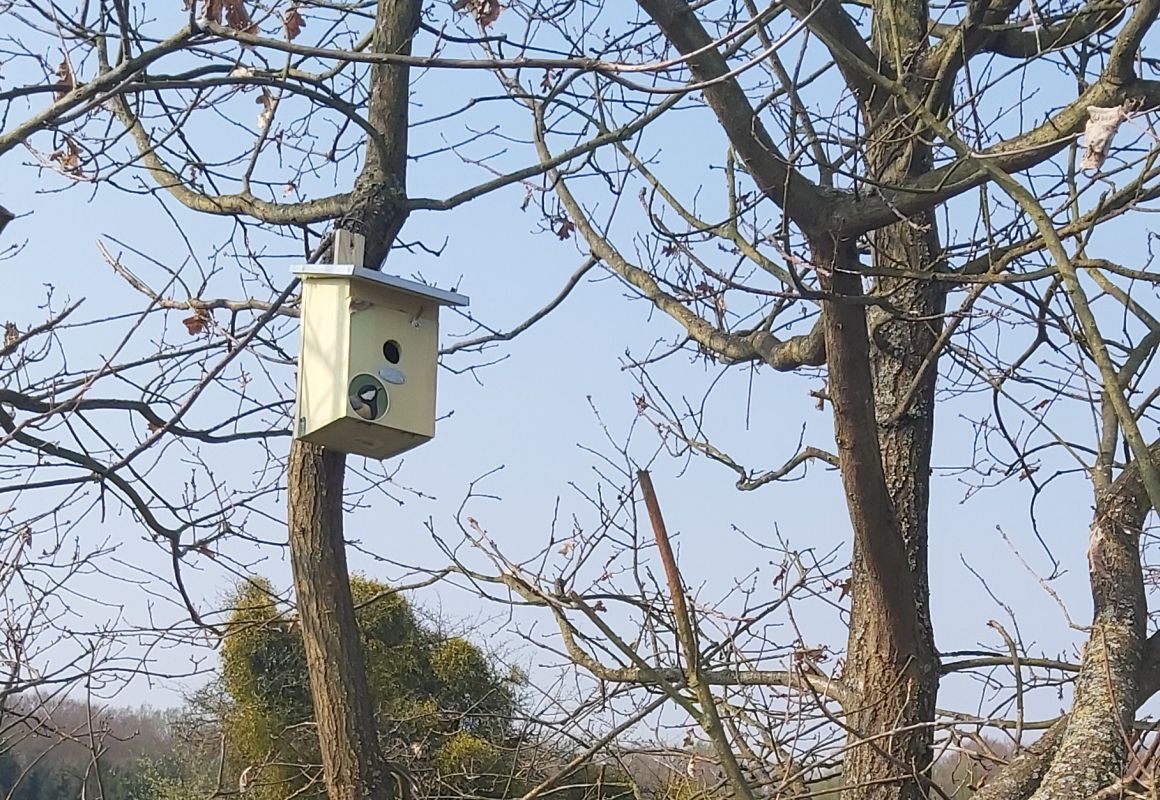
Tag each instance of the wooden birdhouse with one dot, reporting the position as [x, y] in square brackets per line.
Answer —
[368, 358]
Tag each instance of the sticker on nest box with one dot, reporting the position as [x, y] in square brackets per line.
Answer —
[393, 375]
[368, 397]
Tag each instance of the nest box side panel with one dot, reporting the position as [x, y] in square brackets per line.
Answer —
[322, 376]
[394, 340]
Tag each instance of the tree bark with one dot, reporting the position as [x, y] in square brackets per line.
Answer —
[354, 767]
[352, 761]
[1093, 749]
[904, 371]
[901, 339]
[904, 374]
[889, 650]
[1020, 778]
[1085, 751]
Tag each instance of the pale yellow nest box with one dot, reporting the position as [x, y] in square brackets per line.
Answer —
[367, 364]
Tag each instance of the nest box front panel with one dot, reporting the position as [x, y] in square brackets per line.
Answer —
[392, 363]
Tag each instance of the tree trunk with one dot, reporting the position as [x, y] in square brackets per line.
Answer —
[354, 767]
[899, 348]
[896, 715]
[1085, 752]
[1092, 752]
[1019, 779]
[351, 758]
[888, 644]
[901, 339]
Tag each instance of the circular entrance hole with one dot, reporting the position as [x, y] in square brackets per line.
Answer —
[391, 351]
[368, 397]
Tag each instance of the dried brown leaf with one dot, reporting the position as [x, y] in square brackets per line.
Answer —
[293, 22]
[68, 156]
[66, 81]
[237, 17]
[234, 12]
[490, 13]
[486, 12]
[212, 10]
[196, 323]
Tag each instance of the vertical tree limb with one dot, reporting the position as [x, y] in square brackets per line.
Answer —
[710, 719]
[888, 647]
[1094, 747]
[352, 762]
[353, 765]
[1085, 751]
[902, 339]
